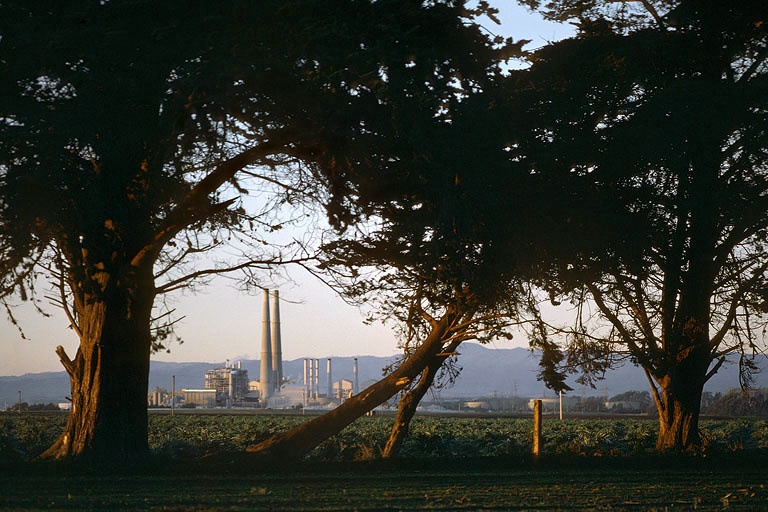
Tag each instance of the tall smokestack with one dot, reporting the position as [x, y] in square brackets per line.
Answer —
[265, 378]
[355, 384]
[277, 348]
[230, 390]
[330, 380]
[316, 383]
[311, 383]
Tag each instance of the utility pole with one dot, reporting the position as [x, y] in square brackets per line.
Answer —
[173, 397]
[19, 401]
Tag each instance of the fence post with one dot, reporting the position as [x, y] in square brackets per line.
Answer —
[536, 428]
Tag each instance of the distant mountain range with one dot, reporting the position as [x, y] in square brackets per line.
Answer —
[486, 372]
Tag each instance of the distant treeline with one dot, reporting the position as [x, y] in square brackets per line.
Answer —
[24, 407]
[739, 403]
[733, 403]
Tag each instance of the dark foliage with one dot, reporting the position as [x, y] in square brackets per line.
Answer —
[137, 137]
[653, 121]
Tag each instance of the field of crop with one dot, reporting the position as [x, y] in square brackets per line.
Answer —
[448, 464]
[23, 436]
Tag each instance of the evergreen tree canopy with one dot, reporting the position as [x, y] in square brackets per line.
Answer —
[654, 119]
[136, 136]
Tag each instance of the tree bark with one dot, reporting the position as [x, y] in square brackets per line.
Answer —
[679, 421]
[109, 375]
[406, 409]
[298, 441]
[678, 401]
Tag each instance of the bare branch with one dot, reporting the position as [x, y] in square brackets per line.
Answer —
[65, 360]
[654, 388]
[194, 206]
[714, 369]
[61, 286]
[616, 322]
[182, 281]
[756, 63]
[735, 302]
[653, 12]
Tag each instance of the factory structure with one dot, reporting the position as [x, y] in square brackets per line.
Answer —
[229, 386]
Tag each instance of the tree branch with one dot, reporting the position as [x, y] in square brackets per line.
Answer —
[194, 206]
[656, 395]
[759, 60]
[653, 12]
[734, 306]
[597, 296]
[181, 282]
[65, 360]
[714, 369]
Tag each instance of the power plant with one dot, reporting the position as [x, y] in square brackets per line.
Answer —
[228, 386]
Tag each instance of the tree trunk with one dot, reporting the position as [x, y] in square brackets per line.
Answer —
[406, 409]
[679, 420]
[678, 401]
[109, 374]
[410, 402]
[294, 443]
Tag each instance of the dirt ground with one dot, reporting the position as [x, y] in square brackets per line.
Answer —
[474, 484]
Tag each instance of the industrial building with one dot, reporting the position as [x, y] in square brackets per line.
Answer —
[343, 389]
[331, 392]
[200, 397]
[228, 386]
[159, 398]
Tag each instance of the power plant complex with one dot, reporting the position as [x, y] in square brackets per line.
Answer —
[229, 386]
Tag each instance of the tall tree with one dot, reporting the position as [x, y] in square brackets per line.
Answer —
[131, 133]
[654, 119]
[443, 255]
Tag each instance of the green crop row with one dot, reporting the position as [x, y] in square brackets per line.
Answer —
[190, 435]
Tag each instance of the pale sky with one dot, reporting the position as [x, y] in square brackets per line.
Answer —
[222, 323]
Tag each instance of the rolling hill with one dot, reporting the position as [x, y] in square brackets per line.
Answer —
[486, 372]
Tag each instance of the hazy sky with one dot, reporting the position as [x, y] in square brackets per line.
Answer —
[221, 323]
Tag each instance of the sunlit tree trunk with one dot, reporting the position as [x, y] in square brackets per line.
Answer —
[678, 395]
[679, 422]
[109, 374]
[406, 409]
[298, 441]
